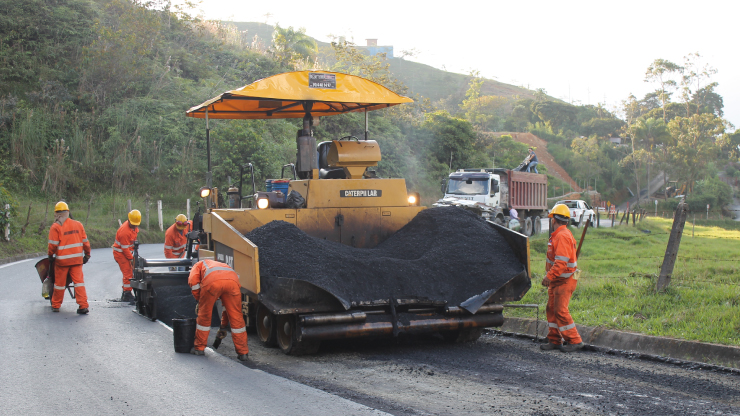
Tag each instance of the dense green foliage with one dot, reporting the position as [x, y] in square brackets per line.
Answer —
[94, 93]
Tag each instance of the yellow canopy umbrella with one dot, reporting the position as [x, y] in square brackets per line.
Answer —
[298, 94]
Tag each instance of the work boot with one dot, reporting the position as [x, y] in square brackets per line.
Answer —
[82, 311]
[126, 296]
[549, 346]
[243, 357]
[197, 352]
[571, 347]
[53, 309]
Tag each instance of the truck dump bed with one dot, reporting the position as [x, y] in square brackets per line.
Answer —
[523, 190]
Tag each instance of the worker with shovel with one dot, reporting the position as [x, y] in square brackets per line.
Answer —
[561, 281]
[211, 280]
[68, 241]
[123, 251]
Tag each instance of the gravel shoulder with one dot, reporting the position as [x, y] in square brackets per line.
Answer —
[498, 374]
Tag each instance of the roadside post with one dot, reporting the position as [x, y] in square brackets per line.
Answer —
[147, 211]
[707, 211]
[188, 208]
[129, 206]
[656, 207]
[671, 252]
[159, 214]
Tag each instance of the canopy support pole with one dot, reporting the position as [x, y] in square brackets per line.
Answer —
[366, 124]
[209, 178]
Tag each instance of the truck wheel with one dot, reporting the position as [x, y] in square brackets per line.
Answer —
[499, 221]
[266, 326]
[537, 224]
[287, 337]
[527, 227]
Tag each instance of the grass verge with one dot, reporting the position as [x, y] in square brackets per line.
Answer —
[620, 268]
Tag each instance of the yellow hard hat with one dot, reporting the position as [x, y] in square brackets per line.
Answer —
[561, 211]
[181, 221]
[61, 206]
[134, 217]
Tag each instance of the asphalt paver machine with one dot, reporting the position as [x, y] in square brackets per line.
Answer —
[334, 196]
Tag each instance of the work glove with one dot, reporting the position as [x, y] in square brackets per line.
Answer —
[221, 334]
[546, 282]
[85, 258]
[196, 308]
[51, 258]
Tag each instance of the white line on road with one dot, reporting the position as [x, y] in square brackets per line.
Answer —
[14, 263]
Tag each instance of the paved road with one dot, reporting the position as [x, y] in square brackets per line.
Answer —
[113, 361]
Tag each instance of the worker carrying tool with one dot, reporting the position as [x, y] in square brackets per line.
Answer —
[561, 281]
[211, 280]
[68, 241]
[123, 251]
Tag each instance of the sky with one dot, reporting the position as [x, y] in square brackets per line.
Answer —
[584, 52]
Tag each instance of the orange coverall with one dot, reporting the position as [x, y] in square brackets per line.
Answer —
[210, 280]
[123, 252]
[68, 241]
[561, 264]
[175, 242]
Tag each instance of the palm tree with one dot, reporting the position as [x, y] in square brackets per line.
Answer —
[292, 45]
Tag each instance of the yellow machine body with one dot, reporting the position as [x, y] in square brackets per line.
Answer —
[357, 212]
[354, 157]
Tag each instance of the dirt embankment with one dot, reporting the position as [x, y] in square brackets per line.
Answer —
[543, 155]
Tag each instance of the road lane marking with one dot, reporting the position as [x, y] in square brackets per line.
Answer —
[15, 262]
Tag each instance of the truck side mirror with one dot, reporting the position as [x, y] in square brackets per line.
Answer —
[444, 185]
[494, 187]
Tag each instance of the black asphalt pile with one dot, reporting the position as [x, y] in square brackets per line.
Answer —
[443, 254]
[174, 302]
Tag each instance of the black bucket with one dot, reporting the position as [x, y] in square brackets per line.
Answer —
[183, 331]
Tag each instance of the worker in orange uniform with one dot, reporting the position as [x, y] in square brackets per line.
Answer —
[211, 280]
[68, 240]
[123, 251]
[176, 240]
[561, 281]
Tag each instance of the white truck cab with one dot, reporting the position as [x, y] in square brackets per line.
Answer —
[474, 185]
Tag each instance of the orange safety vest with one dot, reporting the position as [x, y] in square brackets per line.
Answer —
[125, 237]
[206, 272]
[68, 241]
[561, 255]
[175, 242]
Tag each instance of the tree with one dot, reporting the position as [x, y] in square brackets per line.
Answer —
[291, 46]
[693, 73]
[696, 144]
[660, 71]
[650, 133]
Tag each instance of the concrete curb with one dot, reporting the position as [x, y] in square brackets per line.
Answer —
[703, 352]
[21, 257]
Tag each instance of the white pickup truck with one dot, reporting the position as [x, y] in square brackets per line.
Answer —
[577, 208]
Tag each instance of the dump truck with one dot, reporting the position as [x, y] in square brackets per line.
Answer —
[335, 205]
[493, 192]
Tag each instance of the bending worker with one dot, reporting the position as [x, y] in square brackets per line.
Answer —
[123, 251]
[175, 239]
[561, 281]
[211, 280]
[67, 239]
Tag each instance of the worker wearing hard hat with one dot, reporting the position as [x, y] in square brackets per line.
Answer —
[561, 281]
[68, 241]
[176, 240]
[211, 280]
[123, 251]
